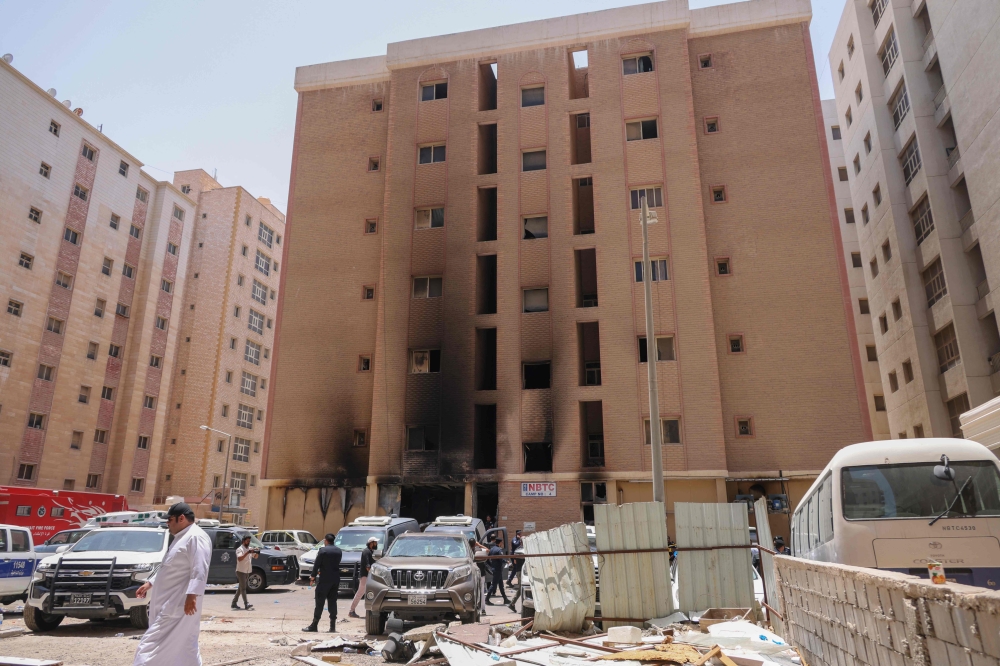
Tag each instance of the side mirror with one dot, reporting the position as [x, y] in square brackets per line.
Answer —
[62, 549]
[944, 471]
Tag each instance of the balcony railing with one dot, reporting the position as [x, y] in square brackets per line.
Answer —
[953, 155]
[967, 221]
[878, 10]
[900, 108]
[995, 362]
[923, 221]
[911, 161]
[889, 53]
[983, 288]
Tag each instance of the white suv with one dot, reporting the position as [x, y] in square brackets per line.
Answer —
[296, 542]
[97, 577]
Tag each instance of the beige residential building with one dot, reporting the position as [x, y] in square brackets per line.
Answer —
[917, 87]
[221, 374]
[855, 273]
[94, 254]
[473, 338]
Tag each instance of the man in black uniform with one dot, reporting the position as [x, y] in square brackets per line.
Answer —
[497, 566]
[326, 578]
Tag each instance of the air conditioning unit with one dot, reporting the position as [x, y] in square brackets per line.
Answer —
[747, 499]
[777, 503]
[453, 520]
[370, 521]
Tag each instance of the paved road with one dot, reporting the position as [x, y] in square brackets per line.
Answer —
[225, 634]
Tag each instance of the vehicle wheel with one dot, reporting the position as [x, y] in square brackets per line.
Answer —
[139, 616]
[256, 581]
[38, 620]
[375, 623]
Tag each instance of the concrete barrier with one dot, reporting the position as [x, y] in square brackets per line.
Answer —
[840, 615]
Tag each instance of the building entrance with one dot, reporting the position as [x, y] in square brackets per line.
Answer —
[425, 503]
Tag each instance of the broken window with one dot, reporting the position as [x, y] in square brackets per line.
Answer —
[592, 427]
[485, 437]
[486, 359]
[486, 284]
[537, 375]
[486, 218]
[422, 438]
[591, 494]
[536, 227]
[429, 218]
[425, 360]
[583, 206]
[537, 456]
[536, 300]
[586, 278]
[664, 349]
[432, 91]
[427, 287]
[637, 64]
[640, 130]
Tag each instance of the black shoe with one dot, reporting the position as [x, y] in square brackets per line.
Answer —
[490, 603]
[512, 607]
[235, 607]
[311, 628]
[249, 607]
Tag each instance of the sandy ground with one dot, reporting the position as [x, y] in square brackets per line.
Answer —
[226, 635]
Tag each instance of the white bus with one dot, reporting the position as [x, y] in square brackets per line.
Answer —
[899, 504]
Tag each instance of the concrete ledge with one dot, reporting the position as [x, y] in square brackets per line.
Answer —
[341, 73]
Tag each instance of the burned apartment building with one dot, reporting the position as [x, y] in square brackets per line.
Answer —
[461, 322]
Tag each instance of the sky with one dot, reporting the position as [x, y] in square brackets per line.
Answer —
[184, 84]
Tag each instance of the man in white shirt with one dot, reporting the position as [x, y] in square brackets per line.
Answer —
[244, 566]
[178, 588]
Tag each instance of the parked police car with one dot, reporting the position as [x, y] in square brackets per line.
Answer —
[17, 562]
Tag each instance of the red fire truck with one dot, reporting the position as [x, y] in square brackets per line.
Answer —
[46, 512]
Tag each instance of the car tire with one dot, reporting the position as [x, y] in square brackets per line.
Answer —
[256, 581]
[38, 620]
[375, 623]
[138, 616]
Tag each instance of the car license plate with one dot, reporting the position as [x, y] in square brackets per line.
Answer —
[416, 600]
[79, 599]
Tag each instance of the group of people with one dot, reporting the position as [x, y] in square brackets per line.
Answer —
[496, 551]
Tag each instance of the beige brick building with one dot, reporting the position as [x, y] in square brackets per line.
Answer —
[917, 96]
[94, 255]
[221, 374]
[460, 314]
[856, 275]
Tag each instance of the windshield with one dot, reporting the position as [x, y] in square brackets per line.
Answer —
[306, 537]
[912, 491]
[428, 547]
[254, 541]
[467, 533]
[134, 541]
[355, 540]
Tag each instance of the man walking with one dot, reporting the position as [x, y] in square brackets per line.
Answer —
[178, 587]
[244, 557]
[497, 566]
[516, 563]
[326, 577]
[367, 558]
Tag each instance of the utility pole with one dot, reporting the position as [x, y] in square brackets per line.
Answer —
[654, 397]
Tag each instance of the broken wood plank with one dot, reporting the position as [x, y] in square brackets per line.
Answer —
[708, 655]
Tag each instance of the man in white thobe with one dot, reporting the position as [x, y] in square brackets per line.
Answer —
[178, 588]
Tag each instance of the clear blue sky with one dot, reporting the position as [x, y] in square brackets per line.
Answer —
[184, 84]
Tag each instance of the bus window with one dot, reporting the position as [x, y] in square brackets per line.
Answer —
[813, 526]
[825, 496]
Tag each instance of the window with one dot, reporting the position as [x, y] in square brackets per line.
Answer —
[736, 345]
[64, 280]
[155, 361]
[252, 353]
[93, 480]
[54, 127]
[248, 221]
[879, 403]
[149, 402]
[76, 441]
[886, 251]
[36, 421]
[889, 53]
[84, 397]
[373, 164]
[71, 236]
[35, 215]
[25, 473]
[265, 234]
[364, 363]
[947, 348]
[723, 266]
[744, 427]
[80, 192]
[371, 226]
[256, 447]
[705, 61]
[910, 159]
[14, 307]
[24, 510]
[427, 287]
[431, 154]
[422, 438]
[670, 431]
[92, 351]
[244, 416]
[536, 375]
[263, 384]
[115, 221]
[712, 125]
[893, 382]
[856, 259]
[719, 194]
[640, 130]
[263, 263]
[107, 266]
[658, 273]
[166, 285]
[533, 160]
[360, 438]
[54, 326]
[835, 130]
[229, 376]
[128, 271]
[848, 117]
[877, 195]
[45, 372]
[255, 322]
[376, 105]
[664, 349]
[873, 264]
[232, 342]
[142, 195]
[900, 105]
[536, 300]
[242, 251]
[859, 94]
[850, 46]
[122, 310]
[368, 292]
[241, 449]
[87, 152]
[137, 485]
[143, 442]
[842, 173]
[429, 218]
[644, 63]
[872, 353]
[864, 213]
[432, 91]
[225, 415]
[956, 407]
[107, 393]
[935, 287]
[123, 169]
[652, 195]
[907, 371]
[161, 323]
[883, 323]
[868, 143]
[425, 360]
[249, 384]
[134, 231]
[26, 261]
[536, 227]
[918, 431]
[849, 215]
[44, 170]
[532, 96]
[259, 293]
[923, 220]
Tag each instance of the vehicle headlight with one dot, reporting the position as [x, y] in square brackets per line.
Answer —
[459, 574]
[380, 572]
[45, 567]
[136, 568]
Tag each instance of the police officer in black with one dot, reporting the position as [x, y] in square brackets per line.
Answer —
[326, 578]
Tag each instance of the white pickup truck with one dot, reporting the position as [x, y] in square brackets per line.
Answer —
[98, 578]
[17, 563]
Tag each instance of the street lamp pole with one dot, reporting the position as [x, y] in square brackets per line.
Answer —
[225, 471]
[654, 398]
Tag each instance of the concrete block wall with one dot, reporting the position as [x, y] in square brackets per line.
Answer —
[852, 616]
